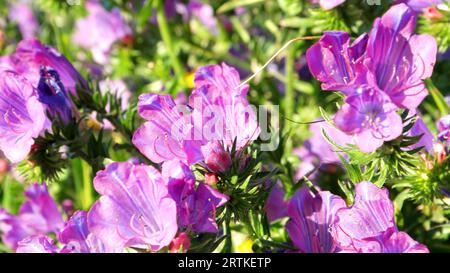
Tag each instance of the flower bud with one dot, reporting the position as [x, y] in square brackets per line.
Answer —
[216, 158]
[51, 93]
[211, 179]
[432, 14]
[182, 242]
[439, 152]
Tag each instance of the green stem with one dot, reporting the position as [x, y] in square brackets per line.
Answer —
[83, 185]
[438, 98]
[209, 54]
[87, 185]
[228, 240]
[7, 192]
[167, 39]
[289, 99]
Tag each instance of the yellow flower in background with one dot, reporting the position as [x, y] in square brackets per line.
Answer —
[189, 79]
[245, 246]
[93, 124]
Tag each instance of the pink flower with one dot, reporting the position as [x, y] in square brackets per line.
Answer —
[370, 117]
[100, 30]
[135, 208]
[311, 220]
[22, 116]
[218, 111]
[196, 205]
[39, 215]
[369, 226]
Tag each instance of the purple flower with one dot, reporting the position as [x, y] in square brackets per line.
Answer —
[37, 244]
[226, 114]
[399, 61]
[135, 209]
[328, 4]
[427, 139]
[22, 14]
[444, 128]
[31, 55]
[218, 111]
[311, 220]
[391, 58]
[196, 206]
[336, 63]
[100, 30]
[276, 206]
[369, 226]
[22, 116]
[39, 215]
[163, 136]
[204, 13]
[419, 5]
[77, 238]
[370, 117]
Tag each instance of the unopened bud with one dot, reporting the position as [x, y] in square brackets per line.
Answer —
[211, 179]
[439, 152]
[216, 158]
[432, 14]
[182, 242]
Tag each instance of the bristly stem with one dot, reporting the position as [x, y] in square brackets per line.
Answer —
[167, 39]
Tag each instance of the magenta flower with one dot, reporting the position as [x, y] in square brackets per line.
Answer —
[337, 63]
[37, 244]
[399, 60]
[444, 128]
[22, 116]
[76, 237]
[226, 115]
[135, 209]
[166, 133]
[370, 117]
[369, 226]
[419, 5]
[391, 57]
[328, 4]
[22, 14]
[218, 111]
[276, 206]
[311, 220]
[196, 206]
[204, 13]
[427, 139]
[39, 215]
[31, 55]
[100, 30]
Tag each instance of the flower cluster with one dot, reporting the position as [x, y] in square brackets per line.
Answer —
[162, 147]
[379, 73]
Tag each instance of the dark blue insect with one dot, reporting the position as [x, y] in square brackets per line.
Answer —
[51, 92]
